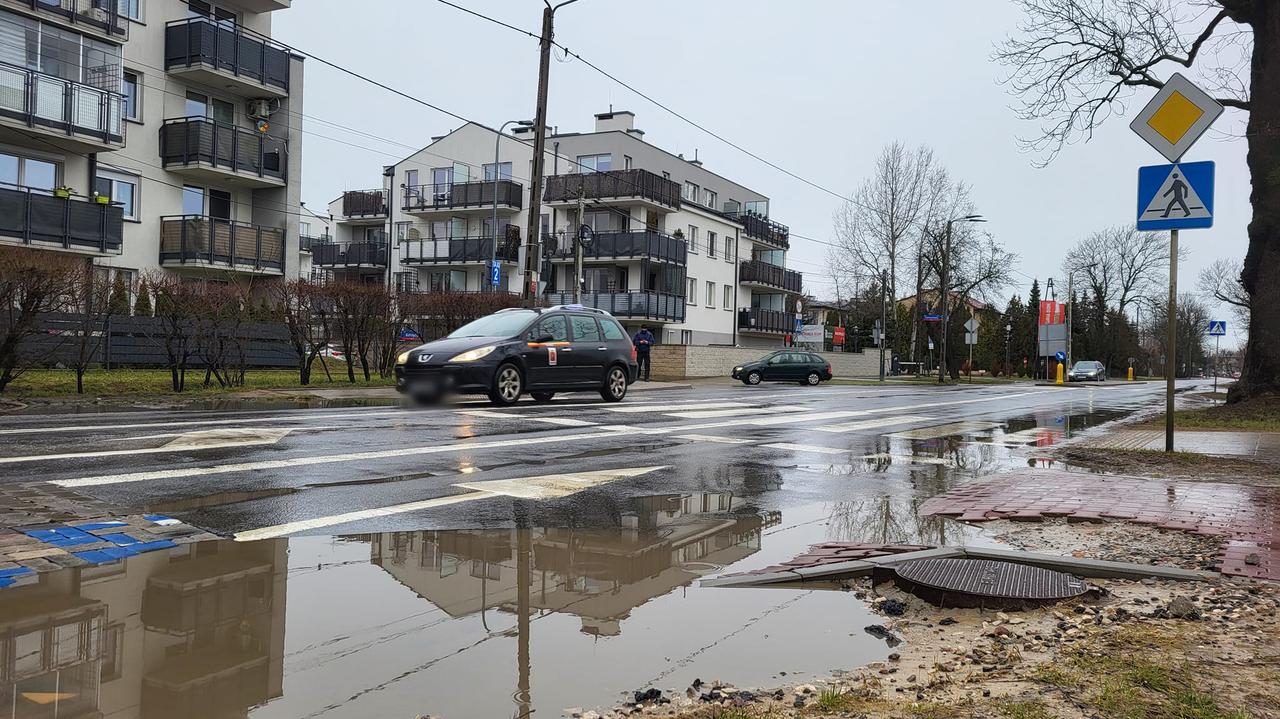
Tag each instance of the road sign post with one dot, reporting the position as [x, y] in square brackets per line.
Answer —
[1217, 328]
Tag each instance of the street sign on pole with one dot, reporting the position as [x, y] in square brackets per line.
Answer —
[971, 325]
[1176, 117]
[1060, 356]
[971, 338]
[495, 274]
[1175, 197]
[1217, 328]
[932, 318]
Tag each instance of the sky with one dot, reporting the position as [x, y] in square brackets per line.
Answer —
[817, 88]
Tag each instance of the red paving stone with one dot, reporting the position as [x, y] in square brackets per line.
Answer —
[1247, 518]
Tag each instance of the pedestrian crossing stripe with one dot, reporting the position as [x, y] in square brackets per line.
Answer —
[1173, 197]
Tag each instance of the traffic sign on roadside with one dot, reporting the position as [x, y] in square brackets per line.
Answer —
[1060, 356]
[495, 273]
[1175, 197]
[1217, 328]
[971, 325]
[932, 318]
[971, 338]
[1176, 117]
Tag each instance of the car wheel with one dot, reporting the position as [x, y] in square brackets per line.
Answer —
[508, 385]
[753, 377]
[542, 396]
[615, 385]
[813, 379]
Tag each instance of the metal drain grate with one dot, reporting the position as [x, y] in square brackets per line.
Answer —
[985, 583]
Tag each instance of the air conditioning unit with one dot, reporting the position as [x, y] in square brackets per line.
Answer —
[259, 109]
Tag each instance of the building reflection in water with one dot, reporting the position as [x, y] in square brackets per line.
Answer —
[196, 632]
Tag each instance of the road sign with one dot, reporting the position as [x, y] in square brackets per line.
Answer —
[971, 338]
[495, 274]
[837, 336]
[930, 344]
[1175, 197]
[1060, 356]
[1217, 328]
[971, 325]
[1176, 117]
[932, 318]
[799, 324]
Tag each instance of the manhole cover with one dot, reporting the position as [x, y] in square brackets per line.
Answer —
[985, 583]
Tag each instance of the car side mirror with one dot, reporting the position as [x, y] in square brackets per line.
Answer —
[544, 338]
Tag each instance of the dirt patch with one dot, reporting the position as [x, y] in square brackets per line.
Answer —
[1172, 465]
[1111, 541]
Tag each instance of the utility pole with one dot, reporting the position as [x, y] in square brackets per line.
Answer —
[497, 174]
[533, 242]
[884, 314]
[1171, 348]
[945, 294]
[1070, 306]
[577, 244]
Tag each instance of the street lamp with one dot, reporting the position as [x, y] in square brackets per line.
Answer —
[497, 144]
[944, 291]
[1008, 335]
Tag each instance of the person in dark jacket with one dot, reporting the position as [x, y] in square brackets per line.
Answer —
[643, 342]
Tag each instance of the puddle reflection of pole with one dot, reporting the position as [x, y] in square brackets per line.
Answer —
[524, 577]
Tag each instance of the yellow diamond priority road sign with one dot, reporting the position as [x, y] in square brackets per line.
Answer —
[1176, 117]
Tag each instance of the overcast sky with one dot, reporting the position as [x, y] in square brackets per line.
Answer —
[815, 87]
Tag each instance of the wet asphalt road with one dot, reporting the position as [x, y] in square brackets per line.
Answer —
[572, 462]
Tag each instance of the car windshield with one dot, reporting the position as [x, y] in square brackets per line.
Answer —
[502, 324]
[1085, 366]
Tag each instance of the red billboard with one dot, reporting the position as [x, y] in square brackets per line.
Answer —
[1052, 313]
[837, 336]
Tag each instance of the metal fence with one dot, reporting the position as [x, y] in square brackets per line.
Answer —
[90, 15]
[628, 305]
[230, 48]
[633, 244]
[458, 195]
[772, 275]
[33, 216]
[613, 184]
[219, 242]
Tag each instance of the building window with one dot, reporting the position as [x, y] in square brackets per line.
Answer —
[121, 188]
[693, 239]
[693, 292]
[686, 337]
[407, 281]
[402, 231]
[690, 192]
[711, 294]
[758, 207]
[728, 249]
[732, 205]
[504, 171]
[16, 171]
[61, 53]
[626, 162]
[201, 8]
[201, 105]
[595, 163]
[131, 9]
[711, 244]
[728, 297]
[709, 198]
[132, 98]
[112, 652]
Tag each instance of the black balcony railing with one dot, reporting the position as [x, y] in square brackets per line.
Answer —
[306, 242]
[759, 320]
[613, 184]
[771, 275]
[457, 250]
[633, 244]
[461, 195]
[201, 140]
[350, 254]
[90, 15]
[198, 239]
[364, 203]
[230, 48]
[79, 110]
[762, 228]
[641, 304]
[35, 216]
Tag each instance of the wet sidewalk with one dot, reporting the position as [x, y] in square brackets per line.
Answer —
[1261, 446]
[1246, 517]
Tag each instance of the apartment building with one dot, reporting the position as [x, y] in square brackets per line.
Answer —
[151, 134]
[673, 245]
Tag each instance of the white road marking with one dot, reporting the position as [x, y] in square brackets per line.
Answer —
[709, 413]
[806, 448]
[543, 487]
[873, 423]
[196, 423]
[207, 439]
[562, 421]
[625, 409]
[911, 458]
[714, 438]
[946, 430]
[292, 430]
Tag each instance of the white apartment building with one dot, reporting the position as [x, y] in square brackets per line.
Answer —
[675, 246]
[146, 134]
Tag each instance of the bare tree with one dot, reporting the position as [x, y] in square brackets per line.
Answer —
[1074, 63]
[177, 305]
[90, 300]
[1120, 265]
[1221, 281]
[32, 282]
[306, 315]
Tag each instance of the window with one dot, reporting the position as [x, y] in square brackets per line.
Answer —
[19, 171]
[711, 244]
[61, 53]
[690, 191]
[711, 294]
[732, 205]
[121, 188]
[626, 162]
[192, 200]
[584, 329]
[448, 280]
[202, 8]
[728, 249]
[611, 330]
[728, 297]
[693, 238]
[407, 281]
[402, 230]
[758, 207]
[554, 327]
[693, 292]
[686, 337]
[132, 98]
[504, 171]
[201, 105]
[112, 652]
[595, 163]
[709, 198]
[131, 9]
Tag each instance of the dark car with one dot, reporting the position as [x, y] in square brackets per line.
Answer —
[513, 351]
[1087, 371]
[785, 366]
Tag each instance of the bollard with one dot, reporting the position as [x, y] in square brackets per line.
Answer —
[1130, 374]
[1059, 376]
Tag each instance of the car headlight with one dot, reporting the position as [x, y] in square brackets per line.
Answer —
[473, 355]
[402, 358]
[737, 369]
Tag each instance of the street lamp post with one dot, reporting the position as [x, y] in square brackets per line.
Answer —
[493, 227]
[1008, 335]
[944, 291]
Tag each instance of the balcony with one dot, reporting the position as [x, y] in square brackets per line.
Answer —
[361, 205]
[36, 218]
[202, 149]
[755, 272]
[770, 321]
[456, 251]
[761, 228]
[226, 56]
[640, 305]
[349, 254]
[97, 18]
[87, 119]
[639, 186]
[197, 241]
[306, 242]
[478, 195]
[627, 245]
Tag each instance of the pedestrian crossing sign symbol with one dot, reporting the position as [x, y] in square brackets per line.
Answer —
[1217, 328]
[1175, 197]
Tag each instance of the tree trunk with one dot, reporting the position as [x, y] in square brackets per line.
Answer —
[1260, 374]
[80, 379]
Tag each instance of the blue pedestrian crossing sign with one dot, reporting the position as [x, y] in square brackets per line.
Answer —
[1175, 197]
[495, 273]
[1217, 328]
